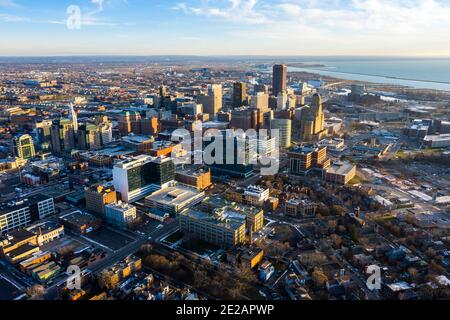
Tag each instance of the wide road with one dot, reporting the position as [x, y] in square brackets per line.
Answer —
[52, 292]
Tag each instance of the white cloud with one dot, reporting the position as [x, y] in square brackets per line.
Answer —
[12, 18]
[367, 16]
[360, 26]
[242, 11]
[92, 17]
[8, 4]
[99, 3]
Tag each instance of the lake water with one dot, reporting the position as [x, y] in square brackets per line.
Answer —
[416, 73]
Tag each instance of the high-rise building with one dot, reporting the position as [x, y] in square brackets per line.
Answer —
[237, 155]
[304, 159]
[221, 222]
[44, 134]
[212, 102]
[282, 101]
[190, 109]
[106, 133]
[63, 137]
[136, 177]
[284, 126]
[97, 196]
[163, 93]
[239, 94]
[279, 79]
[161, 171]
[266, 146]
[24, 146]
[24, 212]
[150, 126]
[129, 122]
[267, 119]
[260, 101]
[260, 88]
[88, 137]
[312, 121]
[246, 118]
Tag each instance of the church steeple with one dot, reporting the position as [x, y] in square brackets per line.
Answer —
[73, 117]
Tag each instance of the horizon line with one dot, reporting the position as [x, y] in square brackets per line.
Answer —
[224, 56]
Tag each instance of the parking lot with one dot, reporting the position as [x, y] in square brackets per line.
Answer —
[109, 238]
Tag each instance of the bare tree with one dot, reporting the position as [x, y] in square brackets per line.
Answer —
[319, 278]
[36, 292]
[108, 280]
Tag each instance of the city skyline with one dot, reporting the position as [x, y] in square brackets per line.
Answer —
[234, 27]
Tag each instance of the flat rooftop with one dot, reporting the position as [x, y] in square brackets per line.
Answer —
[122, 206]
[440, 137]
[113, 151]
[21, 250]
[78, 218]
[192, 172]
[174, 195]
[19, 204]
[297, 202]
[305, 149]
[44, 227]
[18, 235]
[136, 139]
[341, 168]
[226, 220]
[216, 203]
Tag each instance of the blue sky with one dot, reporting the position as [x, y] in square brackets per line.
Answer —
[224, 27]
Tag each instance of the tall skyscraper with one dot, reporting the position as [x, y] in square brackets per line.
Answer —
[279, 79]
[150, 126]
[284, 126]
[106, 132]
[246, 118]
[129, 122]
[260, 101]
[237, 155]
[24, 146]
[212, 101]
[97, 196]
[260, 88]
[239, 94]
[312, 121]
[163, 93]
[73, 117]
[43, 134]
[88, 137]
[215, 90]
[137, 177]
[282, 101]
[63, 137]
